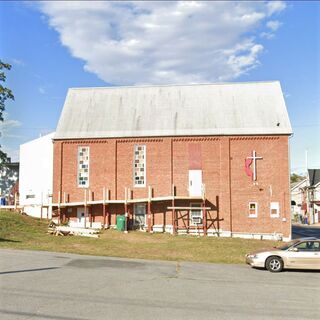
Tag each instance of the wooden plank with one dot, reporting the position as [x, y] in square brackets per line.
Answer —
[204, 218]
[189, 208]
[173, 211]
[139, 200]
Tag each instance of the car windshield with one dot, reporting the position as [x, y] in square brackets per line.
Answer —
[288, 245]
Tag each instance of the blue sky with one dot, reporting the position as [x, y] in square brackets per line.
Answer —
[53, 46]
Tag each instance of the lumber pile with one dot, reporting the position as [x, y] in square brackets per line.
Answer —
[57, 230]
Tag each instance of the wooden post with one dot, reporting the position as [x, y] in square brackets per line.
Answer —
[174, 230]
[164, 220]
[218, 216]
[107, 209]
[149, 209]
[90, 209]
[104, 207]
[15, 201]
[63, 210]
[129, 210]
[204, 212]
[125, 211]
[49, 206]
[41, 205]
[59, 209]
[85, 208]
[188, 221]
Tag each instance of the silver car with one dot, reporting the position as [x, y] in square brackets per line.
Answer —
[298, 254]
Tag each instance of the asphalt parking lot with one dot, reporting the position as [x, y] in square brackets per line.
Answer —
[302, 231]
[42, 285]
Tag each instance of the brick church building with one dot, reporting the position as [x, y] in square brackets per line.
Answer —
[208, 159]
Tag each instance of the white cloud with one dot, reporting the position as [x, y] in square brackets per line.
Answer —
[275, 7]
[266, 35]
[42, 90]
[273, 25]
[18, 62]
[162, 42]
[7, 126]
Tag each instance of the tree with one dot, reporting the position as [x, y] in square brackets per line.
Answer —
[296, 178]
[5, 94]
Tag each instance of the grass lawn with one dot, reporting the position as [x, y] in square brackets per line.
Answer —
[23, 232]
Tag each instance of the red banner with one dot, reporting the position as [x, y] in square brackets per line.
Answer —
[247, 167]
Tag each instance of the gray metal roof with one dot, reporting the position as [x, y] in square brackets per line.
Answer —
[175, 110]
[314, 176]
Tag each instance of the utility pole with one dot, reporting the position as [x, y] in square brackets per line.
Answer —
[307, 188]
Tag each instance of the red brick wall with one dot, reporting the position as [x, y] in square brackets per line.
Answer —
[222, 161]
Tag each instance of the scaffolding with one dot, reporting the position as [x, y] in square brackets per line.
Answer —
[178, 212]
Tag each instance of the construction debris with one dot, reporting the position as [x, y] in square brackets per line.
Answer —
[57, 230]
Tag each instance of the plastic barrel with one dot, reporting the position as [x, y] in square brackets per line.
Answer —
[121, 220]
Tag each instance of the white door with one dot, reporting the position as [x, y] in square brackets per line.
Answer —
[195, 183]
[140, 215]
[81, 217]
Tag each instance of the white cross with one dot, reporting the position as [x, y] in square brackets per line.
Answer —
[254, 158]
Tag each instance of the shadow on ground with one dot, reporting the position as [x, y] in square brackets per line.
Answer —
[8, 240]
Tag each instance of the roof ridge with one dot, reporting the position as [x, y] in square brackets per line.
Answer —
[176, 85]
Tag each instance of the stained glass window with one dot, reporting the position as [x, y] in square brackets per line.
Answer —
[139, 166]
[83, 167]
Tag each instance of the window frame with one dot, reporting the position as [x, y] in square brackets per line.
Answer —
[255, 215]
[198, 205]
[140, 185]
[313, 249]
[276, 215]
[78, 164]
[135, 209]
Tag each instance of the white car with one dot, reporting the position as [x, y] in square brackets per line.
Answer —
[298, 254]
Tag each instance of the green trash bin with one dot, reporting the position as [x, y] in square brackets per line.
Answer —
[121, 220]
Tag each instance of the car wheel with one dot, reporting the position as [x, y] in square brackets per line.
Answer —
[274, 264]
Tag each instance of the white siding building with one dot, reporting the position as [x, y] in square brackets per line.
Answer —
[36, 176]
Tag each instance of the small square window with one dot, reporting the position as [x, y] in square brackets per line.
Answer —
[253, 209]
[274, 209]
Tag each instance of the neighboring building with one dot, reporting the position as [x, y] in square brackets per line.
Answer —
[305, 198]
[313, 195]
[202, 159]
[9, 175]
[298, 200]
[35, 183]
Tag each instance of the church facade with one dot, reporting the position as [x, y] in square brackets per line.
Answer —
[196, 159]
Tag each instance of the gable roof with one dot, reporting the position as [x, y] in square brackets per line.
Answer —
[314, 176]
[174, 110]
[299, 184]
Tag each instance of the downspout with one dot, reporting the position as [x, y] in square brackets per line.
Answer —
[60, 187]
[115, 170]
[230, 196]
[289, 191]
